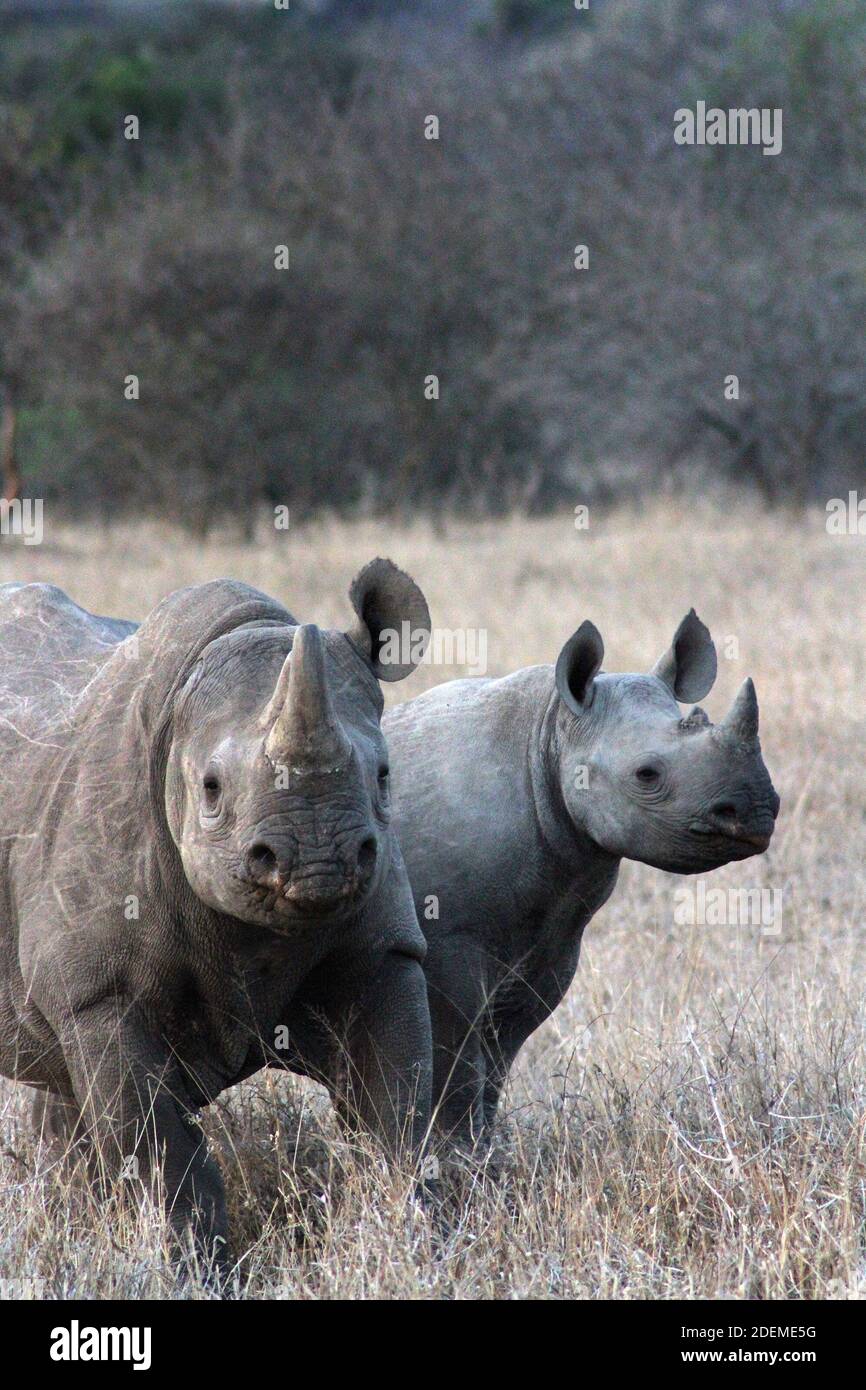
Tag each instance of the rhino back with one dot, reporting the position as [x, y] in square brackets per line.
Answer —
[50, 650]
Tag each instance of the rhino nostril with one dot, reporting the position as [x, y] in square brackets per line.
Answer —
[367, 854]
[261, 860]
[725, 810]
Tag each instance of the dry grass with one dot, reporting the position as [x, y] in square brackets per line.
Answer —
[691, 1121]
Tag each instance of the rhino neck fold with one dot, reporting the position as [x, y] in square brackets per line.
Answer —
[566, 842]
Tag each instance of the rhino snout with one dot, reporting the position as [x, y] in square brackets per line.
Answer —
[317, 883]
[742, 816]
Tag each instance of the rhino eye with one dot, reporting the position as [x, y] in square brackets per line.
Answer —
[212, 790]
[647, 775]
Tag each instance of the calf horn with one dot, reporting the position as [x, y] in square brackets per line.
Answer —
[305, 730]
[741, 721]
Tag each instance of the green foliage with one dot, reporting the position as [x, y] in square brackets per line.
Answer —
[99, 89]
[170, 68]
[50, 438]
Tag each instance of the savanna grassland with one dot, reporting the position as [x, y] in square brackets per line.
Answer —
[690, 1123]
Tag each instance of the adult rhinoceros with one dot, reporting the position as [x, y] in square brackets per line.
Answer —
[195, 861]
[515, 801]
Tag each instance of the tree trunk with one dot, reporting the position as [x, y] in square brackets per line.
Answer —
[9, 470]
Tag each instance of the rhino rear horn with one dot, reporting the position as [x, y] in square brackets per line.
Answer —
[688, 667]
[393, 627]
[303, 726]
[577, 666]
[741, 721]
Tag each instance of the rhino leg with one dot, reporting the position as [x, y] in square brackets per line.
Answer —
[497, 1071]
[531, 1003]
[56, 1120]
[501, 1046]
[60, 1129]
[459, 1078]
[489, 1056]
[457, 1010]
[386, 1073]
[131, 1098]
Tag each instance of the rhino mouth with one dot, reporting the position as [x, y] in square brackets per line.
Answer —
[756, 841]
[322, 896]
[753, 839]
[318, 898]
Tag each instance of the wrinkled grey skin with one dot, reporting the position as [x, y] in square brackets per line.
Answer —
[515, 800]
[195, 851]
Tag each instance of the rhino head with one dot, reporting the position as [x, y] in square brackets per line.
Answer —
[277, 785]
[644, 781]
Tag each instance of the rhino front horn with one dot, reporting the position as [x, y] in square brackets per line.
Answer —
[741, 721]
[304, 729]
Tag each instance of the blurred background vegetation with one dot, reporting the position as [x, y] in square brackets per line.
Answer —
[409, 257]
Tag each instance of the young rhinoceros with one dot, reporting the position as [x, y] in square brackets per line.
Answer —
[195, 861]
[514, 802]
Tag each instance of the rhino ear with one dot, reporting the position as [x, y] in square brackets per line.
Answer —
[688, 667]
[577, 666]
[393, 627]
